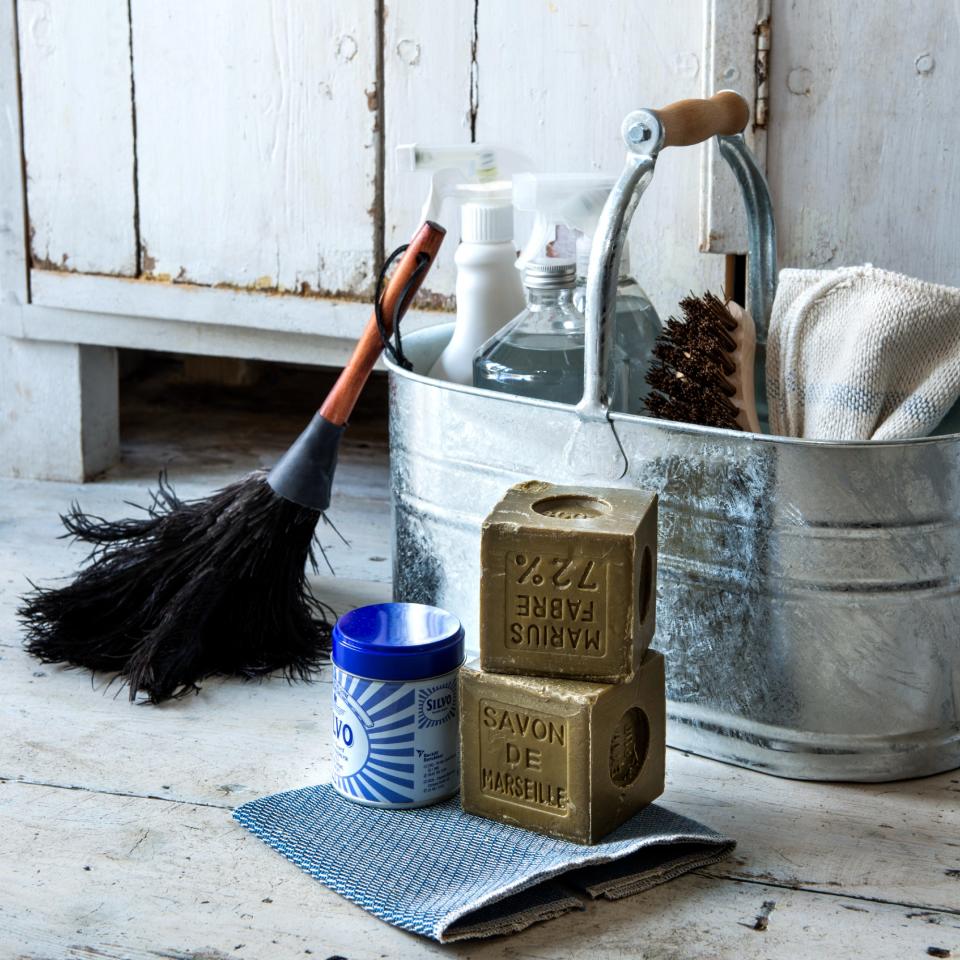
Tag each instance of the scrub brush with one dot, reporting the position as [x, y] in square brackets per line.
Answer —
[703, 367]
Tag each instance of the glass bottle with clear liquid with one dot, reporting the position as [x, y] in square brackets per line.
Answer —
[540, 352]
[636, 327]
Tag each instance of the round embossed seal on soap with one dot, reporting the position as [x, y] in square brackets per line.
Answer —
[395, 712]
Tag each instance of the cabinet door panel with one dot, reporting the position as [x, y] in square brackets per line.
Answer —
[256, 142]
[427, 74]
[862, 151]
[78, 134]
[557, 79]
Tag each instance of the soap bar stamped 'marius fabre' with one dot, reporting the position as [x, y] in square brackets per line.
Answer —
[568, 758]
[567, 585]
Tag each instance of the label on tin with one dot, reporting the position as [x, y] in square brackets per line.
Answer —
[395, 743]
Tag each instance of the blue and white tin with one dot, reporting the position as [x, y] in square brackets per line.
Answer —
[395, 710]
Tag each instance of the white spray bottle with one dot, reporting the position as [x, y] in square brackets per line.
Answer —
[489, 290]
[575, 201]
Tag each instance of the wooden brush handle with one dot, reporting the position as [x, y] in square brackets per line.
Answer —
[343, 396]
[692, 121]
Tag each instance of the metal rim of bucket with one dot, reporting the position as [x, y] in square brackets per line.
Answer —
[669, 425]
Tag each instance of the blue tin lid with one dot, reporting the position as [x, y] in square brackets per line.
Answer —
[398, 641]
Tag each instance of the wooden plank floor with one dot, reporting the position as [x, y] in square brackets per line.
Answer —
[115, 833]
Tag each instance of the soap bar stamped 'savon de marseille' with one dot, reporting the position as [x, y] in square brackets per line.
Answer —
[563, 757]
[567, 586]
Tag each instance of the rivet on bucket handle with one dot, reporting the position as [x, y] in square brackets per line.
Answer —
[646, 133]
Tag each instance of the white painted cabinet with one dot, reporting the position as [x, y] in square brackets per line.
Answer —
[863, 151]
[219, 177]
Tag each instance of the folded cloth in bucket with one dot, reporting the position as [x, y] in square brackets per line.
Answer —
[861, 354]
[441, 873]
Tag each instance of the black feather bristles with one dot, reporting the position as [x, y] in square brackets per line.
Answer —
[192, 589]
[689, 377]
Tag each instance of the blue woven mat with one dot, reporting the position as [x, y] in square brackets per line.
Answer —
[441, 873]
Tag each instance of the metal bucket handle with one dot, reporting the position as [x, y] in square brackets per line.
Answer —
[645, 133]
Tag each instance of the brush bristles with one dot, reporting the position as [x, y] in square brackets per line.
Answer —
[192, 589]
[693, 361]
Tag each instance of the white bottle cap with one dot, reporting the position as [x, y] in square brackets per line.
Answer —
[486, 223]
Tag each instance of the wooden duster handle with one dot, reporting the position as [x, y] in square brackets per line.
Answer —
[341, 399]
[692, 121]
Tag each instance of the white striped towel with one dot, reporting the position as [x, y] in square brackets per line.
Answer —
[861, 354]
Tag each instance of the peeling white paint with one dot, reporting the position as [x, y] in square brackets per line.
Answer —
[78, 134]
[800, 81]
[256, 143]
[408, 51]
[346, 48]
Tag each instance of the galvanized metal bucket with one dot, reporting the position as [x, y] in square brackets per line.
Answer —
[807, 601]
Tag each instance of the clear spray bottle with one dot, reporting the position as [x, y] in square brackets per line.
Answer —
[540, 352]
[575, 201]
[637, 327]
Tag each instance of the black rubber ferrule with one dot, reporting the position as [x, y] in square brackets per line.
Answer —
[304, 474]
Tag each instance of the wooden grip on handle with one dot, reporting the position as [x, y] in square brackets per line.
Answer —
[341, 399]
[687, 122]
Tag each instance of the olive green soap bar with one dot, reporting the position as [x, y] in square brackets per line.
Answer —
[568, 583]
[567, 758]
